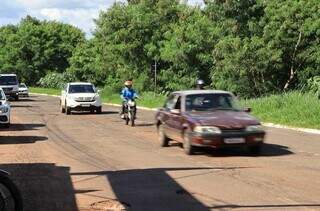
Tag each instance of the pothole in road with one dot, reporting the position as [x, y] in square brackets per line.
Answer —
[110, 205]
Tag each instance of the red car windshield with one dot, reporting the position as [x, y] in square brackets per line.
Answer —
[211, 102]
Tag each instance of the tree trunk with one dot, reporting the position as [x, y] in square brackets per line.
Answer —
[292, 71]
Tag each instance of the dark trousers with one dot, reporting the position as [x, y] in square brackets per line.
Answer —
[123, 107]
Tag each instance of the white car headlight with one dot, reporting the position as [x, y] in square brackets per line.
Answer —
[254, 128]
[4, 109]
[72, 98]
[207, 129]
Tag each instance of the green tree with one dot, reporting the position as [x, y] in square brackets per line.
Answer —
[130, 36]
[243, 66]
[252, 47]
[292, 27]
[187, 49]
[33, 48]
[84, 64]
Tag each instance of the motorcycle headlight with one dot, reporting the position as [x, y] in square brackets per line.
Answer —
[254, 128]
[207, 129]
[131, 103]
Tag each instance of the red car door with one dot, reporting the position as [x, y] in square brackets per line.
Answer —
[175, 123]
[167, 117]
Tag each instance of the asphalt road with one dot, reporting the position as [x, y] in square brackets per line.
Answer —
[71, 162]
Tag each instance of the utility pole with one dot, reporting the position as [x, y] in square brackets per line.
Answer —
[155, 76]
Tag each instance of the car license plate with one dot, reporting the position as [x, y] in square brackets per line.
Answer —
[234, 140]
[85, 105]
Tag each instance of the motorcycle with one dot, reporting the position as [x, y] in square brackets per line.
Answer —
[130, 112]
[10, 197]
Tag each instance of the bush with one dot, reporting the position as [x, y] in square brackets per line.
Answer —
[55, 80]
[314, 85]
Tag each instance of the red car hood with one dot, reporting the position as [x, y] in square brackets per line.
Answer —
[223, 119]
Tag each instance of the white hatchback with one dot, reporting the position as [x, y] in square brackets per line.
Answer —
[4, 110]
[80, 97]
[23, 90]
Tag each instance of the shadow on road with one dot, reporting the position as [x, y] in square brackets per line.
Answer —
[275, 150]
[26, 100]
[30, 99]
[152, 189]
[109, 112]
[44, 186]
[266, 151]
[21, 139]
[145, 124]
[25, 126]
[270, 206]
[88, 113]
[21, 106]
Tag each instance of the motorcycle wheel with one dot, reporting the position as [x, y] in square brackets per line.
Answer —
[127, 119]
[132, 118]
[10, 197]
[132, 122]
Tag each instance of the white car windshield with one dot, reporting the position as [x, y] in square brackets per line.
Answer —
[22, 86]
[8, 80]
[83, 88]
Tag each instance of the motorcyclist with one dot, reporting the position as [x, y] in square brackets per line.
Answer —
[200, 84]
[127, 93]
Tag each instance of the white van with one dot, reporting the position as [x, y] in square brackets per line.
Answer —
[10, 85]
[80, 97]
[4, 110]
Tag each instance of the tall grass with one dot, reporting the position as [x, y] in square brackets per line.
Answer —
[48, 91]
[109, 96]
[293, 108]
[146, 99]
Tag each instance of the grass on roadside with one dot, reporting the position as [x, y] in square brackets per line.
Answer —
[293, 109]
[147, 99]
[48, 91]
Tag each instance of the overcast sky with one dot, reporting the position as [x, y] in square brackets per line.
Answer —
[79, 13]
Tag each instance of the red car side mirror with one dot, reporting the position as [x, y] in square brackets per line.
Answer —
[248, 109]
[175, 111]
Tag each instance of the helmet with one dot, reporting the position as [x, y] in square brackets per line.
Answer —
[200, 82]
[128, 83]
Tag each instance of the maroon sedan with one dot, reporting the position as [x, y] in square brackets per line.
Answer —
[208, 118]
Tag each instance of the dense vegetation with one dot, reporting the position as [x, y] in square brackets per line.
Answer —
[34, 48]
[251, 47]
